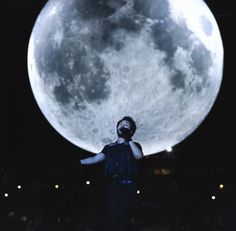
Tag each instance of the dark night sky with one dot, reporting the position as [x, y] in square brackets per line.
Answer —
[31, 141]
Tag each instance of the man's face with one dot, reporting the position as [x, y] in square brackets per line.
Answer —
[125, 124]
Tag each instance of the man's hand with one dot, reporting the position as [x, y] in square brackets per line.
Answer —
[129, 139]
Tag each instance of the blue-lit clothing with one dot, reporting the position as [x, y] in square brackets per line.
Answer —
[120, 160]
[121, 170]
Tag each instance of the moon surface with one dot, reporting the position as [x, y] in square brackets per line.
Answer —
[92, 62]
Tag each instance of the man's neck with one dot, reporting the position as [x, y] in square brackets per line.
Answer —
[120, 140]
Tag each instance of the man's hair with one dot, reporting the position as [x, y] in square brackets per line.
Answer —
[132, 123]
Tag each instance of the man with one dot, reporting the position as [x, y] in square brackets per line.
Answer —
[121, 170]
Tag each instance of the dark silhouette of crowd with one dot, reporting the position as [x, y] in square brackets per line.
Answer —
[168, 199]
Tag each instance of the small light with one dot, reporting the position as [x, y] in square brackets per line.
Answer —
[169, 149]
[221, 186]
[165, 171]
[138, 191]
[11, 214]
[87, 182]
[6, 194]
[19, 186]
[56, 186]
[24, 218]
[213, 197]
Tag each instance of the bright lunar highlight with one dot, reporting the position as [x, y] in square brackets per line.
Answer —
[92, 62]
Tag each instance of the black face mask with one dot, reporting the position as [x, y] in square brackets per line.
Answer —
[125, 132]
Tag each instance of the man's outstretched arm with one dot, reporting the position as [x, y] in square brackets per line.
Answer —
[93, 160]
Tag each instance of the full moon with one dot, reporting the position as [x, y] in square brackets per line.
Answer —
[92, 62]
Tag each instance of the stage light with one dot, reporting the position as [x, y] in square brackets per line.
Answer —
[165, 171]
[221, 186]
[138, 191]
[19, 186]
[87, 182]
[213, 197]
[24, 218]
[11, 214]
[57, 186]
[169, 149]
[6, 194]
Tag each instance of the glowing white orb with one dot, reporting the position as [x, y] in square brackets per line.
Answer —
[92, 62]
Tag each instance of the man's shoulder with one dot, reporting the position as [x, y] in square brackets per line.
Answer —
[108, 148]
[111, 144]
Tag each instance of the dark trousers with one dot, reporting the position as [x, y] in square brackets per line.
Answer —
[120, 201]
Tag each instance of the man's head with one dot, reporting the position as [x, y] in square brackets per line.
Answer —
[126, 127]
